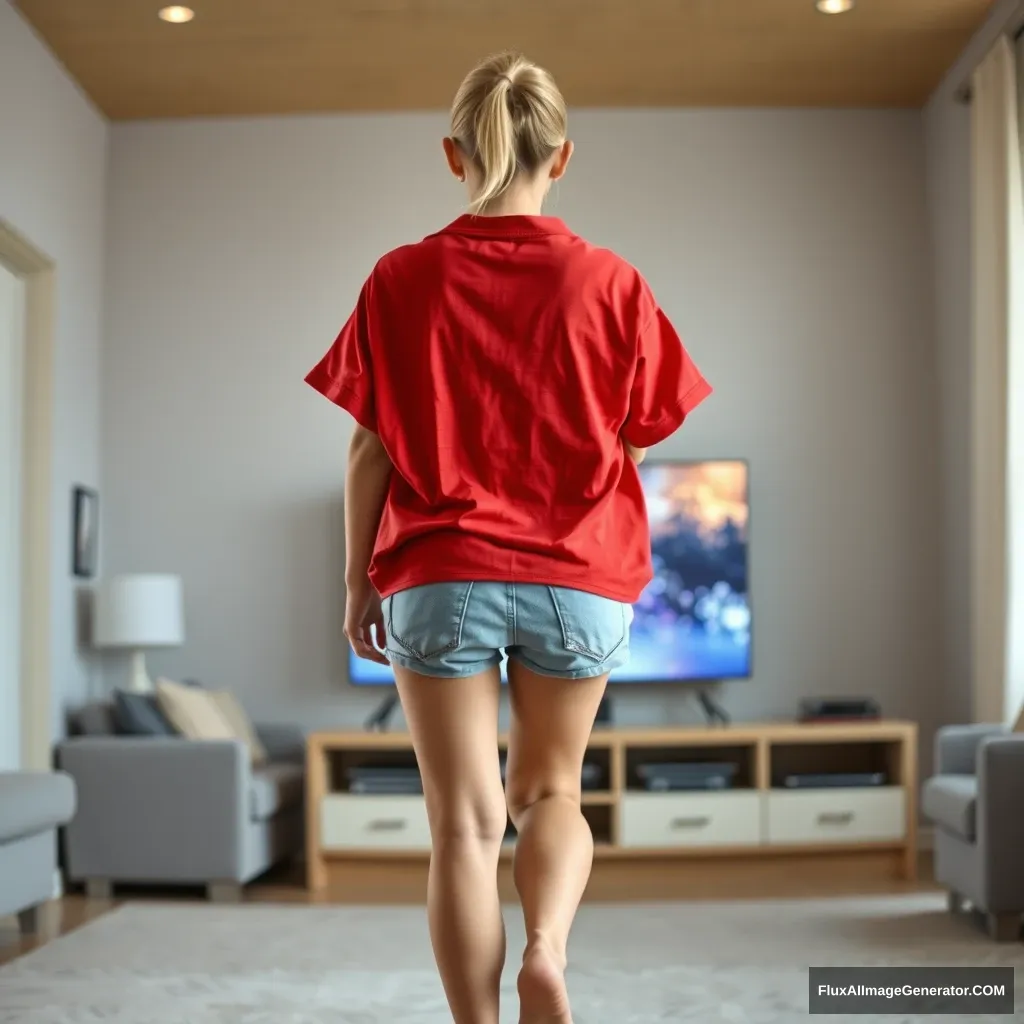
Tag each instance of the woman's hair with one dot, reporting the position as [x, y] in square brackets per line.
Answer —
[508, 116]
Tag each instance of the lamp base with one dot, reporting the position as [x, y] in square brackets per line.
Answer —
[140, 681]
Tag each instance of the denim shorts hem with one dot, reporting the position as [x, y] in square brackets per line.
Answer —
[591, 672]
[422, 668]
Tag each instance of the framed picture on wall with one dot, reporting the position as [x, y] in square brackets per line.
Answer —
[85, 518]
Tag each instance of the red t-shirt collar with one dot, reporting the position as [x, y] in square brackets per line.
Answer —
[513, 226]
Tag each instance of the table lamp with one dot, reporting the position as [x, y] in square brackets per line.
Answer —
[137, 612]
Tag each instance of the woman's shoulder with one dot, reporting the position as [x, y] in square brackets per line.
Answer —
[398, 264]
[606, 270]
[607, 258]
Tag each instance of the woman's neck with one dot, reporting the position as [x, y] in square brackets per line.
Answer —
[516, 202]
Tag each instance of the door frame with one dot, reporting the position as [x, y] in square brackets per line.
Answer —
[38, 273]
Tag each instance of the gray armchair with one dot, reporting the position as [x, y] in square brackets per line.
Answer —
[976, 802]
[169, 811]
[33, 806]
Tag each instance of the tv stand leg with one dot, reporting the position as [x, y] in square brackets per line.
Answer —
[713, 711]
[378, 721]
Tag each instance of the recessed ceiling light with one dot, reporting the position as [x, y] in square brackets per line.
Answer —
[177, 15]
[835, 6]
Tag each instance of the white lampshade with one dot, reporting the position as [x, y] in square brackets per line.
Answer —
[139, 611]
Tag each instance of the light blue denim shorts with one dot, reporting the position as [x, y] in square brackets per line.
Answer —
[463, 628]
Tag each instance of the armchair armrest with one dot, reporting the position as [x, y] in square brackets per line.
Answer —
[956, 747]
[157, 809]
[1001, 818]
[283, 743]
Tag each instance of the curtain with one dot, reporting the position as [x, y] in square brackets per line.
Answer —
[997, 391]
[1014, 698]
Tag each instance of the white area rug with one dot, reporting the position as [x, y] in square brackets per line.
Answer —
[742, 962]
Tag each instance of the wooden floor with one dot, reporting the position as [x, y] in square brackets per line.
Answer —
[719, 879]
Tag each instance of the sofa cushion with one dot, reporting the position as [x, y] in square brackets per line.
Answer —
[193, 712]
[139, 714]
[32, 802]
[94, 720]
[233, 712]
[275, 787]
[950, 801]
[200, 714]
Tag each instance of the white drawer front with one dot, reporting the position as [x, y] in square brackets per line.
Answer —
[665, 820]
[836, 816]
[374, 823]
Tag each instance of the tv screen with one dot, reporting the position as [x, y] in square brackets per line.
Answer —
[693, 620]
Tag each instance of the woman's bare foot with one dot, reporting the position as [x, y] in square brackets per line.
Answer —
[543, 997]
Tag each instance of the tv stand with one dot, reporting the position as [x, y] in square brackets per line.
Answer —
[644, 837]
[378, 721]
[713, 711]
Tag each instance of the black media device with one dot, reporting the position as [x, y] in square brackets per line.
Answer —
[674, 776]
[840, 709]
[837, 780]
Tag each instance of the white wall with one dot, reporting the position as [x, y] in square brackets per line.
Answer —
[53, 150]
[790, 247]
[947, 122]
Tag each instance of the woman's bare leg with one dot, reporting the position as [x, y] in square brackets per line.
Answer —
[454, 726]
[551, 723]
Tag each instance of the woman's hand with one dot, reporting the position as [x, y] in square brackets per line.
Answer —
[636, 454]
[364, 621]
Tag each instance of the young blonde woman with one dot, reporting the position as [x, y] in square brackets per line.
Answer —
[506, 377]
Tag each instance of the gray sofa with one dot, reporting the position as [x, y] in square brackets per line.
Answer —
[976, 802]
[164, 810]
[33, 805]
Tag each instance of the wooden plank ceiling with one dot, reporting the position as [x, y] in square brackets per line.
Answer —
[242, 57]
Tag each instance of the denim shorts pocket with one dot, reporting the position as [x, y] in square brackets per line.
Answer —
[593, 626]
[426, 622]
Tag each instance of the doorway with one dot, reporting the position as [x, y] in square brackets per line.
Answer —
[27, 308]
[12, 389]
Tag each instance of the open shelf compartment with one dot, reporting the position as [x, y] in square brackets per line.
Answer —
[738, 759]
[877, 762]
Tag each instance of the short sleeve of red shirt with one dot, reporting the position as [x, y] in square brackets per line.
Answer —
[345, 374]
[667, 385]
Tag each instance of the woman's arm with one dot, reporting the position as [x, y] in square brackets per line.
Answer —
[366, 490]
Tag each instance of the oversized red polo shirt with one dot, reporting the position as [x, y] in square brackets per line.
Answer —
[502, 362]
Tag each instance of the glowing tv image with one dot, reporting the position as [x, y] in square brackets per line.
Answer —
[693, 620]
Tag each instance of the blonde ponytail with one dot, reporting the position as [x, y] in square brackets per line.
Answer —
[495, 136]
[509, 117]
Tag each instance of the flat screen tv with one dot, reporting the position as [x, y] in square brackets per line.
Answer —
[693, 621]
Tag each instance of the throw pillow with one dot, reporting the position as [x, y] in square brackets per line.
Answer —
[193, 712]
[240, 722]
[139, 714]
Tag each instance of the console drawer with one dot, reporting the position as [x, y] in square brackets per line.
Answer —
[868, 815]
[353, 822]
[664, 820]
